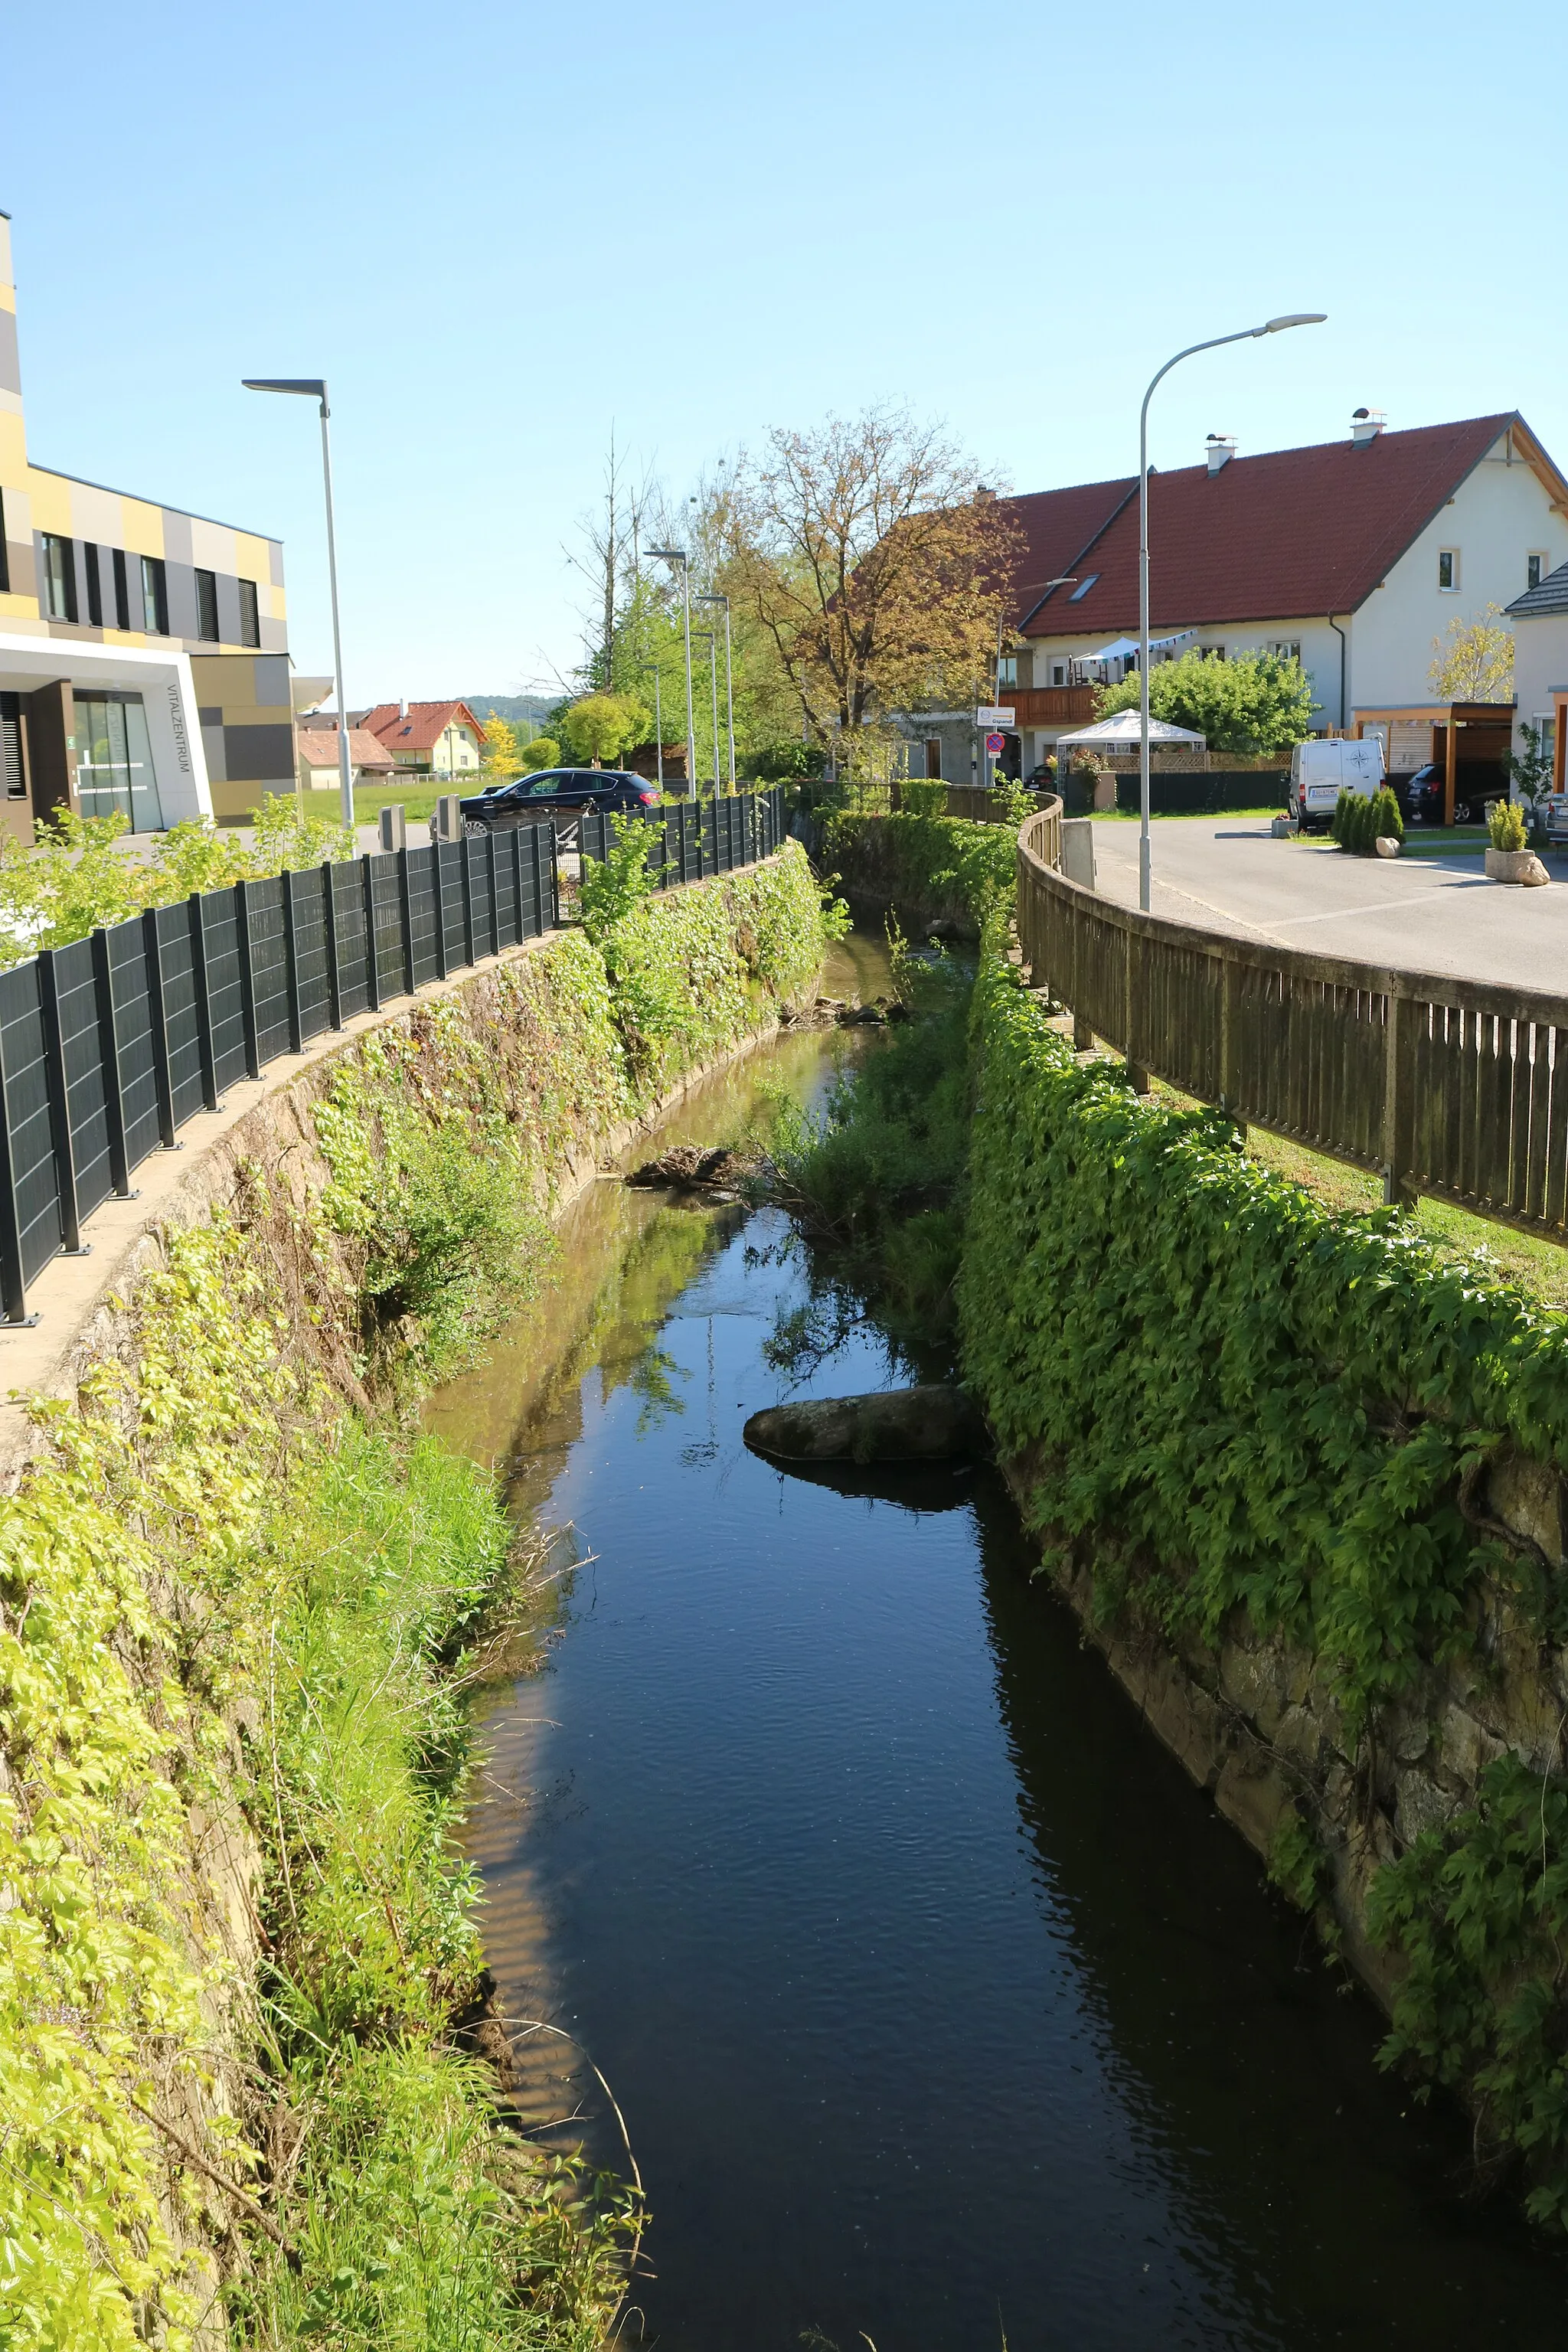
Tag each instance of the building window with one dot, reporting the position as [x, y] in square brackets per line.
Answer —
[59, 577]
[1059, 673]
[122, 591]
[154, 597]
[13, 775]
[250, 614]
[1535, 570]
[4, 554]
[206, 606]
[1209, 652]
[94, 586]
[1081, 590]
[1007, 673]
[1448, 569]
[1287, 649]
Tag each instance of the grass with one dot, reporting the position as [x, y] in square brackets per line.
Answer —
[418, 799]
[1537, 1265]
[1185, 816]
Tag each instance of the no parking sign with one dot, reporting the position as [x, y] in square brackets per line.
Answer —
[995, 745]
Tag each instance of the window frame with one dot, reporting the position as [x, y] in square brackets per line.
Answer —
[1450, 556]
[122, 591]
[250, 614]
[56, 541]
[154, 596]
[94, 583]
[1537, 558]
[206, 605]
[1287, 649]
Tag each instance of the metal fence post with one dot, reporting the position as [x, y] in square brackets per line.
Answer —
[405, 911]
[290, 964]
[109, 1055]
[203, 1001]
[467, 877]
[495, 901]
[518, 927]
[439, 902]
[162, 1081]
[329, 917]
[372, 960]
[13, 1286]
[60, 1106]
[246, 981]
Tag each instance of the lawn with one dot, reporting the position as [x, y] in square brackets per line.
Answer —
[418, 800]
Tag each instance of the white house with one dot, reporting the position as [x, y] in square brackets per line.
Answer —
[1540, 620]
[1353, 555]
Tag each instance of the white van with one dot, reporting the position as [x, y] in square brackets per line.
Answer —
[1321, 769]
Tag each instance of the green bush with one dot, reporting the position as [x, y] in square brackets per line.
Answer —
[1359, 821]
[1505, 825]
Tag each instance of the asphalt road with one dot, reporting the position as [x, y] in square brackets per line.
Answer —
[1429, 914]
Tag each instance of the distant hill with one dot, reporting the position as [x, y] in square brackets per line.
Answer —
[521, 708]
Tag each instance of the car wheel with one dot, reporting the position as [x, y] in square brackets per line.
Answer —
[472, 825]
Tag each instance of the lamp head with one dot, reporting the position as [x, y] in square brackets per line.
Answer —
[1291, 319]
[309, 387]
[669, 554]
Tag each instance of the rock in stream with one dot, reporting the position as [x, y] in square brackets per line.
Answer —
[933, 1423]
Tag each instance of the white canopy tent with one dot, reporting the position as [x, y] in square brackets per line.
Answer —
[1124, 646]
[1124, 732]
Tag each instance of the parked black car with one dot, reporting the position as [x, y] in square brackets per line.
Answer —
[556, 792]
[1420, 796]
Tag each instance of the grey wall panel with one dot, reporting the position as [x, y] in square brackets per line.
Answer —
[263, 753]
[227, 608]
[272, 682]
[10, 360]
[179, 541]
[180, 581]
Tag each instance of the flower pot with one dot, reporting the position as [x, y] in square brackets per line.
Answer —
[1515, 865]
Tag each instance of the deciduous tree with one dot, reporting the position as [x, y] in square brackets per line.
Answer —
[877, 566]
[1251, 702]
[1472, 661]
[503, 756]
[602, 726]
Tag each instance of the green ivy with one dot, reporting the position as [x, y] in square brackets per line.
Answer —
[1479, 1913]
[926, 860]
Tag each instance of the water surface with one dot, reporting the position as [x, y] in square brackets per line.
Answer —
[937, 2001]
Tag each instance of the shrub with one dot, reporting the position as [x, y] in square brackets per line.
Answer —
[544, 752]
[1387, 823]
[1505, 825]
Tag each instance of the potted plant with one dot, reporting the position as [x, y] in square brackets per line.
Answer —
[1508, 858]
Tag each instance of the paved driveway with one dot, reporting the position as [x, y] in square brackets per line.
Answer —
[1429, 914]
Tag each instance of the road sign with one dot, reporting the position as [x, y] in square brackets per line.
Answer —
[994, 714]
[995, 745]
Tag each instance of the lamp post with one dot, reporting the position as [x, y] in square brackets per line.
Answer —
[679, 555]
[314, 388]
[710, 636]
[729, 680]
[1242, 335]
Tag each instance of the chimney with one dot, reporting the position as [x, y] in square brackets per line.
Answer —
[1366, 424]
[1221, 449]
[403, 711]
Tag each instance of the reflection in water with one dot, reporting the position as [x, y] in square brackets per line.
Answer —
[937, 1999]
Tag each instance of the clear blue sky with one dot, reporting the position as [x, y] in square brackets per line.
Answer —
[496, 229]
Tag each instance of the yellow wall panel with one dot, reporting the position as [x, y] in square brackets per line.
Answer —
[143, 526]
[14, 468]
[51, 499]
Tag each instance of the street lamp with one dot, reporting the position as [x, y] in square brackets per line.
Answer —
[679, 555]
[729, 679]
[1243, 335]
[314, 388]
[712, 636]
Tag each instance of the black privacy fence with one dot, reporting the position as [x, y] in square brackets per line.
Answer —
[108, 1047]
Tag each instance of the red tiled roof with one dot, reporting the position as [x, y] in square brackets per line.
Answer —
[318, 748]
[1284, 536]
[418, 729]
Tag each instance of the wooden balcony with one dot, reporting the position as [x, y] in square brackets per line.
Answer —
[1050, 706]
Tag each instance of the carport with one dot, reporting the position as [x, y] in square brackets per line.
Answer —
[1434, 730]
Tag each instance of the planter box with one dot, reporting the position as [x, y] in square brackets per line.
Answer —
[1515, 865]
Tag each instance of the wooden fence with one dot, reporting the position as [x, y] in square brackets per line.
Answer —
[108, 1046]
[1451, 1088]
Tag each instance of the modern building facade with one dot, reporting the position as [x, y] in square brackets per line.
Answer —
[143, 651]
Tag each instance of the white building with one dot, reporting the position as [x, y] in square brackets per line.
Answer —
[1353, 554]
[1540, 620]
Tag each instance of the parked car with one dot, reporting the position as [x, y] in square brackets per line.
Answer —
[1557, 819]
[1323, 767]
[1476, 782]
[556, 792]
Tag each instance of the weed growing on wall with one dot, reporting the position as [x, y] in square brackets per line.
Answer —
[929, 860]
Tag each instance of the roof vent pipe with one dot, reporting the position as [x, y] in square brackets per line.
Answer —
[1221, 448]
[1366, 424]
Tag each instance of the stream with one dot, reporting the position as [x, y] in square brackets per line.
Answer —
[939, 2004]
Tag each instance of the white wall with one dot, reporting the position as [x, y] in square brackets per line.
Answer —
[164, 682]
[1540, 663]
[1500, 515]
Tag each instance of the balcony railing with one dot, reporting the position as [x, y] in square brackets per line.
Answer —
[1050, 706]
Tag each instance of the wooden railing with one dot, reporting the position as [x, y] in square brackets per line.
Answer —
[1449, 1087]
[1050, 706]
